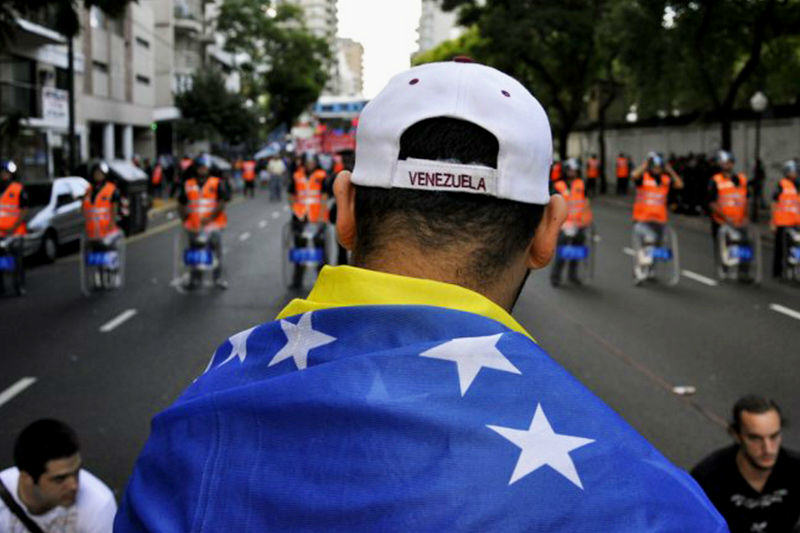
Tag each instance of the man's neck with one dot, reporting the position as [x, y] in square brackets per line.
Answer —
[411, 263]
[755, 477]
[25, 495]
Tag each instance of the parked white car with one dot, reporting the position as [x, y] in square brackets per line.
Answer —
[55, 215]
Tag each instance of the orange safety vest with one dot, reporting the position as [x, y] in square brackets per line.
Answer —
[592, 168]
[651, 199]
[787, 208]
[555, 171]
[203, 202]
[732, 200]
[308, 195]
[10, 210]
[579, 213]
[99, 214]
[158, 174]
[623, 169]
[248, 170]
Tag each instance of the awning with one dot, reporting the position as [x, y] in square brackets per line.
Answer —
[33, 34]
[161, 114]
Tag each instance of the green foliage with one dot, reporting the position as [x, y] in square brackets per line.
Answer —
[711, 56]
[469, 44]
[210, 111]
[286, 63]
[554, 48]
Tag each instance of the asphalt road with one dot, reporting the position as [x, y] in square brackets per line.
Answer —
[106, 364]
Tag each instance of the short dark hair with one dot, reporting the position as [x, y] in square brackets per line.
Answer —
[491, 229]
[752, 403]
[43, 441]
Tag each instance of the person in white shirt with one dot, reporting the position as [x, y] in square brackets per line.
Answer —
[277, 173]
[48, 489]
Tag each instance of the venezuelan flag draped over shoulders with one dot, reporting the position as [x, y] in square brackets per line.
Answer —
[350, 414]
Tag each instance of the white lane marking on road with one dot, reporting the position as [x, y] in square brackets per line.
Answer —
[785, 310]
[262, 224]
[275, 214]
[118, 320]
[286, 208]
[699, 278]
[629, 251]
[178, 283]
[244, 236]
[8, 394]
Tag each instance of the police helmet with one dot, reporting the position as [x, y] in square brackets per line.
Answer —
[655, 159]
[98, 164]
[573, 164]
[790, 167]
[203, 160]
[9, 166]
[724, 156]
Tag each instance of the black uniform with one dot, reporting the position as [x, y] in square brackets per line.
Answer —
[776, 509]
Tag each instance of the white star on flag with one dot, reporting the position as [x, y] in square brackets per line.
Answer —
[541, 446]
[239, 343]
[471, 354]
[300, 339]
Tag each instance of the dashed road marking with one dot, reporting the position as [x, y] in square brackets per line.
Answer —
[275, 214]
[699, 278]
[118, 320]
[262, 224]
[286, 208]
[629, 251]
[785, 310]
[244, 236]
[9, 394]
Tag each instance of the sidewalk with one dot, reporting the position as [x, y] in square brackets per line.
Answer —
[160, 205]
[699, 223]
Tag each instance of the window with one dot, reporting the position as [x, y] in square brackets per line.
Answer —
[143, 43]
[62, 79]
[100, 66]
[144, 80]
[97, 18]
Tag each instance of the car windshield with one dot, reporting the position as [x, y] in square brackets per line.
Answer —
[38, 193]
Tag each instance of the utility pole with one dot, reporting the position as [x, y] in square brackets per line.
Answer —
[73, 162]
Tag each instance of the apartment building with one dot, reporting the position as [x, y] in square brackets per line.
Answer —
[350, 56]
[436, 26]
[34, 95]
[322, 20]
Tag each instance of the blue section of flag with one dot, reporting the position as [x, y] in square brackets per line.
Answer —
[373, 436]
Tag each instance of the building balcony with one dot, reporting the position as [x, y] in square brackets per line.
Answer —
[188, 16]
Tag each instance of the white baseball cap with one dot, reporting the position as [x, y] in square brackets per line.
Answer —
[467, 91]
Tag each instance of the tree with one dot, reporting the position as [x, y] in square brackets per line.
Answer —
[210, 111]
[285, 63]
[714, 48]
[551, 47]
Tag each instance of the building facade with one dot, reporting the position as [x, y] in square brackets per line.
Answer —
[34, 97]
[322, 20]
[436, 26]
[350, 56]
[115, 90]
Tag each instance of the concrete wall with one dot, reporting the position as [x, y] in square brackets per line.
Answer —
[780, 140]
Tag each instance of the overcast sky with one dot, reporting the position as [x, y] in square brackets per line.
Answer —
[388, 31]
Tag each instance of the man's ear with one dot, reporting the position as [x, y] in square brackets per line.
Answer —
[345, 193]
[543, 245]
